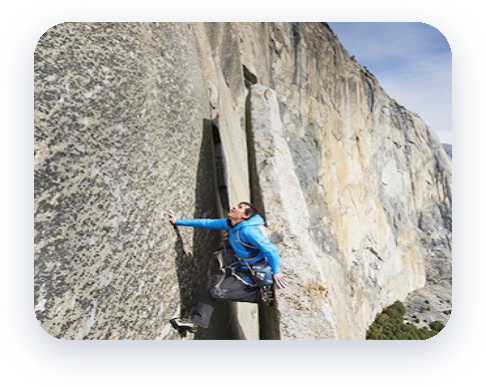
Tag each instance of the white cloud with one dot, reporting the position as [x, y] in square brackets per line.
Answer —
[413, 63]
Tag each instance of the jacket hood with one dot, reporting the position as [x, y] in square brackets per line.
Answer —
[255, 220]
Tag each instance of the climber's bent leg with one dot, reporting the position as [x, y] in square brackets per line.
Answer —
[230, 289]
[204, 309]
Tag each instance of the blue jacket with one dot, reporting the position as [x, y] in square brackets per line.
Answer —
[247, 232]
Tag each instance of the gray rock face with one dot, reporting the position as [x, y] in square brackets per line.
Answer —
[133, 119]
[120, 138]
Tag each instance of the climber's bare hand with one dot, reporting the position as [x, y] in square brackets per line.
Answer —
[172, 217]
[280, 281]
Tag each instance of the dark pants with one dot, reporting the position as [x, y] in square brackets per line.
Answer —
[230, 289]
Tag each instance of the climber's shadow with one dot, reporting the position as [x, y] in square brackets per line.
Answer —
[193, 268]
[192, 273]
[183, 264]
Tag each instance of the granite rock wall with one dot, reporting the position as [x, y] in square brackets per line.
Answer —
[122, 134]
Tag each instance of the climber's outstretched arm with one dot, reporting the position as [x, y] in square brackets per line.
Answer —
[213, 224]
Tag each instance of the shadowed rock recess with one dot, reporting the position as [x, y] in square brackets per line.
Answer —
[134, 119]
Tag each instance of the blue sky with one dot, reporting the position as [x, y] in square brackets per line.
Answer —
[413, 63]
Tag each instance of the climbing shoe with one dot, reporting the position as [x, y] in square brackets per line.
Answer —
[184, 324]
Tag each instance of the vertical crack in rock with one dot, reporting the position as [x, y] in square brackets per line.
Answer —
[221, 173]
[250, 78]
[228, 317]
[296, 47]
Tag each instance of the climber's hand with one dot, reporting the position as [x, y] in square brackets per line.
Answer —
[172, 218]
[280, 281]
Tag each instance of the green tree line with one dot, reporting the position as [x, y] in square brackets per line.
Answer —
[389, 325]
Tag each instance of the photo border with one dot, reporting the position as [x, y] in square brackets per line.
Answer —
[261, 361]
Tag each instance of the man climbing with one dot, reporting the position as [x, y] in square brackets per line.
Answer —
[251, 248]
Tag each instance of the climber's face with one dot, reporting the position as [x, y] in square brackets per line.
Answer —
[237, 213]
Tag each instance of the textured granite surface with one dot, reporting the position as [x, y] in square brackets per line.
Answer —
[120, 138]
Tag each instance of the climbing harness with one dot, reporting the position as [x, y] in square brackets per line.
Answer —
[260, 272]
[232, 265]
[228, 264]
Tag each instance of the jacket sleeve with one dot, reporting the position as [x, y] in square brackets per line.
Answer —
[213, 224]
[256, 238]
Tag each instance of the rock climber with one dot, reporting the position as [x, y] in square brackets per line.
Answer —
[252, 249]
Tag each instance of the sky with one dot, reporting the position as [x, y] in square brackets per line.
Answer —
[413, 63]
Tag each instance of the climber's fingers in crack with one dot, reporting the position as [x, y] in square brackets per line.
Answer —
[172, 217]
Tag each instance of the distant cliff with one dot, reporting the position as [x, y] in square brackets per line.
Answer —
[133, 119]
[448, 149]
